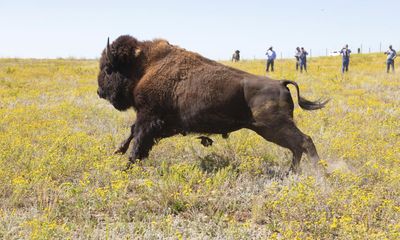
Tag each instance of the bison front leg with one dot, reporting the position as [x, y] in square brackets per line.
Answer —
[145, 133]
[123, 147]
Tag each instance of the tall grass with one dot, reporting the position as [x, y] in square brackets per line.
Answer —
[60, 180]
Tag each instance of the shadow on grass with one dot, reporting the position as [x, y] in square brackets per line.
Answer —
[214, 162]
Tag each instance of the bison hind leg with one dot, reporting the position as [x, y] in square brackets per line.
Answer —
[287, 135]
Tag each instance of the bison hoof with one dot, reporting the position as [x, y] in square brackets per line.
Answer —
[130, 163]
[128, 166]
[225, 135]
[206, 141]
[294, 169]
[121, 149]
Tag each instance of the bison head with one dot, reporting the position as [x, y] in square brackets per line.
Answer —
[118, 72]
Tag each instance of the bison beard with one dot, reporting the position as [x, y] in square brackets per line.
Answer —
[175, 91]
[116, 90]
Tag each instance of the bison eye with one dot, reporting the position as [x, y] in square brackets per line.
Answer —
[109, 70]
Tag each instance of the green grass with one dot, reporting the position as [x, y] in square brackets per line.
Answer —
[60, 180]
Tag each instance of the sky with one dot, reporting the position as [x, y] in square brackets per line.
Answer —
[215, 29]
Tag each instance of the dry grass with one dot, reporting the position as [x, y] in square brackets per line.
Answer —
[59, 179]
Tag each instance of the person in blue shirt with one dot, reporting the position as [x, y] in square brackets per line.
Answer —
[391, 55]
[271, 56]
[345, 52]
[303, 60]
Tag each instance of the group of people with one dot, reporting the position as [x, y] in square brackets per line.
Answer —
[345, 52]
[300, 55]
[301, 58]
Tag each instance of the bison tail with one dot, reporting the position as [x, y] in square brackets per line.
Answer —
[304, 103]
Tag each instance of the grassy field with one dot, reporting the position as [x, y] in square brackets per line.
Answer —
[60, 180]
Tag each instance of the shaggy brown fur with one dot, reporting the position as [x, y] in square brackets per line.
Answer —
[177, 91]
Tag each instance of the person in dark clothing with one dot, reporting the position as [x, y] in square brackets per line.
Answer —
[271, 56]
[297, 56]
[236, 56]
[303, 60]
[345, 52]
[391, 55]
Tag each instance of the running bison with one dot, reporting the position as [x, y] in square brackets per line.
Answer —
[175, 91]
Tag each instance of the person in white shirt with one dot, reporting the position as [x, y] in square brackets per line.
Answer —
[297, 56]
[391, 55]
[271, 56]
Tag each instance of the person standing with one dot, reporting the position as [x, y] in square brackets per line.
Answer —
[236, 56]
[303, 60]
[271, 56]
[297, 56]
[345, 52]
[391, 55]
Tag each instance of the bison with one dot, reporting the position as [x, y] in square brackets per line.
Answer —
[175, 91]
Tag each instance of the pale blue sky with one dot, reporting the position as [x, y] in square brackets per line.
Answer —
[51, 29]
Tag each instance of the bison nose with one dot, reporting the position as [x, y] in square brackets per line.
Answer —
[100, 93]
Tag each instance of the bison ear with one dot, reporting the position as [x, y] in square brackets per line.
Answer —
[138, 51]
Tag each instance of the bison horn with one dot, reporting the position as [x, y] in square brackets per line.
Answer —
[108, 51]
